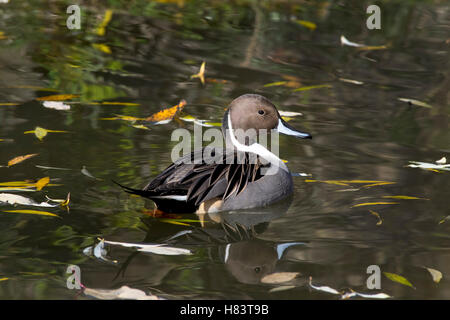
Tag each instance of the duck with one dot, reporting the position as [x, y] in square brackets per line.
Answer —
[244, 175]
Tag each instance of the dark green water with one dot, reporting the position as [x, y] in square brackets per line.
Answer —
[361, 130]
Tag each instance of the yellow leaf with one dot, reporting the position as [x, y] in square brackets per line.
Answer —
[376, 214]
[3, 279]
[399, 279]
[313, 87]
[106, 19]
[140, 126]
[201, 73]
[19, 159]
[9, 104]
[120, 103]
[58, 97]
[274, 84]
[167, 114]
[102, 47]
[372, 204]
[44, 213]
[125, 118]
[42, 183]
[40, 133]
[404, 198]
[378, 184]
[27, 183]
[308, 24]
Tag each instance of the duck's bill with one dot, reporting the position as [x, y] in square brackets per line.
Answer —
[284, 128]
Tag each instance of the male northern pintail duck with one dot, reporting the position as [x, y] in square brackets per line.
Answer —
[234, 180]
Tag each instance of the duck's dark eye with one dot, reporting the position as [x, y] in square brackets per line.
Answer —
[261, 112]
[257, 269]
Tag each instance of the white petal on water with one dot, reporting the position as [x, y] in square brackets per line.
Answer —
[442, 160]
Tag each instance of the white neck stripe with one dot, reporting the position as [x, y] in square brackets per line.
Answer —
[260, 150]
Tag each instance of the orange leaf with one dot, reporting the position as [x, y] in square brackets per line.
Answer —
[19, 159]
[167, 114]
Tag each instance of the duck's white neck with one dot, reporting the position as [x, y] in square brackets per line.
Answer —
[256, 148]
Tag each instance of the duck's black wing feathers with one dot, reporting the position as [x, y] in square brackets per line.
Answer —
[184, 185]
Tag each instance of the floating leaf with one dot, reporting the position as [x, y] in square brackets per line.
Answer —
[308, 24]
[153, 248]
[9, 104]
[19, 159]
[376, 214]
[274, 84]
[106, 19]
[41, 133]
[378, 184]
[313, 87]
[436, 274]
[14, 199]
[123, 293]
[346, 42]
[405, 198]
[62, 202]
[58, 97]
[3, 279]
[44, 213]
[281, 288]
[51, 168]
[201, 73]
[125, 118]
[128, 104]
[57, 105]
[88, 174]
[372, 204]
[351, 81]
[102, 47]
[363, 295]
[279, 277]
[167, 114]
[42, 183]
[399, 279]
[140, 126]
[416, 102]
[323, 288]
[428, 166]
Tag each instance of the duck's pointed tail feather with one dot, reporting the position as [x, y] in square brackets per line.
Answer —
[143, 193]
